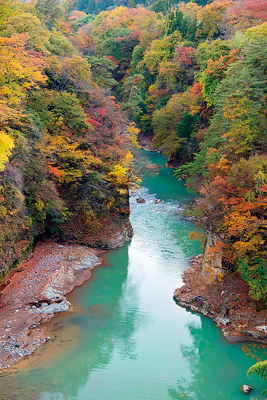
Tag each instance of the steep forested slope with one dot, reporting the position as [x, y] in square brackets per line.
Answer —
[65, 167]
[194, 77]
[191, 75]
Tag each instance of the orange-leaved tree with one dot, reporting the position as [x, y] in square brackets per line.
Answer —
[20, 70]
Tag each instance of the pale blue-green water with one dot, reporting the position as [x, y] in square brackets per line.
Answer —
[131, 340]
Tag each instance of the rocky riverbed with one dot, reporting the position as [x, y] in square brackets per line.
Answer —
[35, 290]
[228, 302]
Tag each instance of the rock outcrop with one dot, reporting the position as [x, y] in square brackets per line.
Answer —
[212, 259]
[226, 301]
[111, 233]
[145, 141]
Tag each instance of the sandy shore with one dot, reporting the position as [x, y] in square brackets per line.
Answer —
[34, 291]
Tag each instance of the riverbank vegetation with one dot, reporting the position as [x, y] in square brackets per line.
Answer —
[64, 157]
[191, 75]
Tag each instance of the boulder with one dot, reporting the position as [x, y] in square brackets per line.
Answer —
[246, 389]
[140, 200]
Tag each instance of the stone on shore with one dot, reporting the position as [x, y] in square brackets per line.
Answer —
[140, 200]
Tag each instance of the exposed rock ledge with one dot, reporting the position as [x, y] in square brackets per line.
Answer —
[35, 290]
[227, 302]
[145, 141]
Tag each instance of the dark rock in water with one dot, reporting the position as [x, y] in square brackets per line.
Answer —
[157, 201]
[140, 200]
[246, 389]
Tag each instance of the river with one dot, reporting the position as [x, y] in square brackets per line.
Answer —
[127, 338]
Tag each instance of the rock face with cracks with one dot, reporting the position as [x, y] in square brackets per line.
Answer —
[36, 290]
[226, 301]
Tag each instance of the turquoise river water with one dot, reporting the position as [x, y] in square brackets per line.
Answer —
[127, 338]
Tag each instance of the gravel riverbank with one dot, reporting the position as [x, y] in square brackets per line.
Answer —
[35, 290]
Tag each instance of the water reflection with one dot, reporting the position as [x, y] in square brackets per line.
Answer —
[218, 367]
[103, 324]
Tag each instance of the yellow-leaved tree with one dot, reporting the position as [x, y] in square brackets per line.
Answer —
[6, 145]
[134, 132]
[122, 175]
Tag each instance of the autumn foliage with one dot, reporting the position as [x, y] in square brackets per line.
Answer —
[194, 78]
[79, 83]
[60, 132]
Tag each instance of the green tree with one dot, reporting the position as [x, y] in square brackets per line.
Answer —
[159, 6]
[102, 71]
[58, 111]
[260, 369]
[49, 11]
[132, 94]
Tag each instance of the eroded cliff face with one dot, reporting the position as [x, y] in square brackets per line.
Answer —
[111, 234]
[224, 298]
[212, 259]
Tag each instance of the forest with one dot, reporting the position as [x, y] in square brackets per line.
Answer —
[81, 80]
